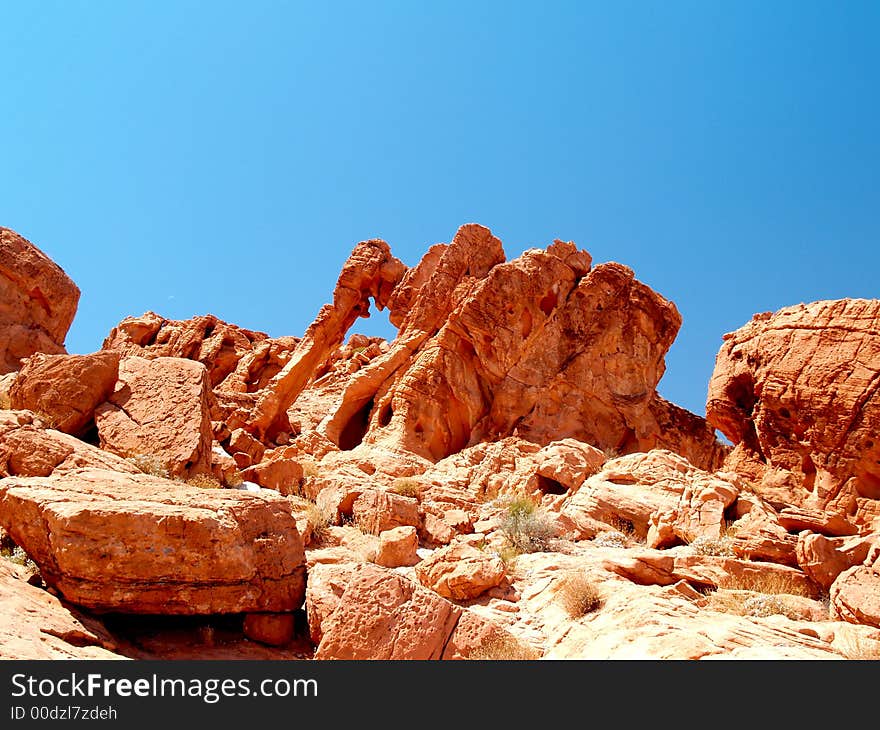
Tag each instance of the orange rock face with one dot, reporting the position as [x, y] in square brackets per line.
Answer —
[798, 392]
[35, 625]
[460, 572]
[29, 449]
[65, 389]
[367, 612]
[37, 302]
[133, 543]
[662, 496]
[159, 410]
[237, 359]
[541, 347]
[371, 271]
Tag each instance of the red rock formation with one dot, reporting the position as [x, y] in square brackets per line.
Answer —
[237, 359]
[540, 347]
[397, 547]
[133, 543]
[460, 572]
[34, 624]
[159, 411]
[65, 389]
[37, 302]
[29, 449]
[370, 272]
[662, 496]
[798, 391]
[368, 612]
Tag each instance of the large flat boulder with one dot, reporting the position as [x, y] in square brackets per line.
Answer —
[134, 543]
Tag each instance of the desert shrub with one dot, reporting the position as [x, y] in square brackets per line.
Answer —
[612, 539]
[204, 481]
[525, 527]
[310, 469]
[611, 452]
[406, 487]
[714, 546]
[504, 647]
[622, 525]
[319, 520]
[774, 583]
[578, 594]
[16, 554]
[150, 464]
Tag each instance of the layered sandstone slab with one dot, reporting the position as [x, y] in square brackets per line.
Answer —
[134, 543]
[37, 302]
[799, 392]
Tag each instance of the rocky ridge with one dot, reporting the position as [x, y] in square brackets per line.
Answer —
[500, 481]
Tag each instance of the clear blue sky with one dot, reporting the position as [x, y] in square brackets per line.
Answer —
[224, 157]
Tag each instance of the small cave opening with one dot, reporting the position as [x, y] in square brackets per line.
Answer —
[385, 415]
[355, 429]
[90, 434]
[550, 486]
[548, 303]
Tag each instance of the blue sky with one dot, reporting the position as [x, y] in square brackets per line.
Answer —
[225, 157]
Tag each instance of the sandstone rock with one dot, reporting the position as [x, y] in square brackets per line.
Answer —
[134, 543]
[824, 558]
[797, 391]
[219, 346]
[660, 494]
[397, 547]
[65, 389]
[472, 361]
[758, 534]
[282, 475]
[34, 624]
[564, 465]
[241, 441]
[381, 615]
[460, 572]
[376, 511]
[37, 302]
[370, 271]
[855, 595]
[325, 586]
[656, 567]
[29, 449]
[368, 612]
[160, 410]
[6, 382]
[274, 629]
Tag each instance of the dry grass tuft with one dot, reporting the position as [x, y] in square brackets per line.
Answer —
[204, 481]
[504, 647]
[775, 583]
[578, 594]
[17, 555]
[150, 464]
[721, 547]
[407, 487]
